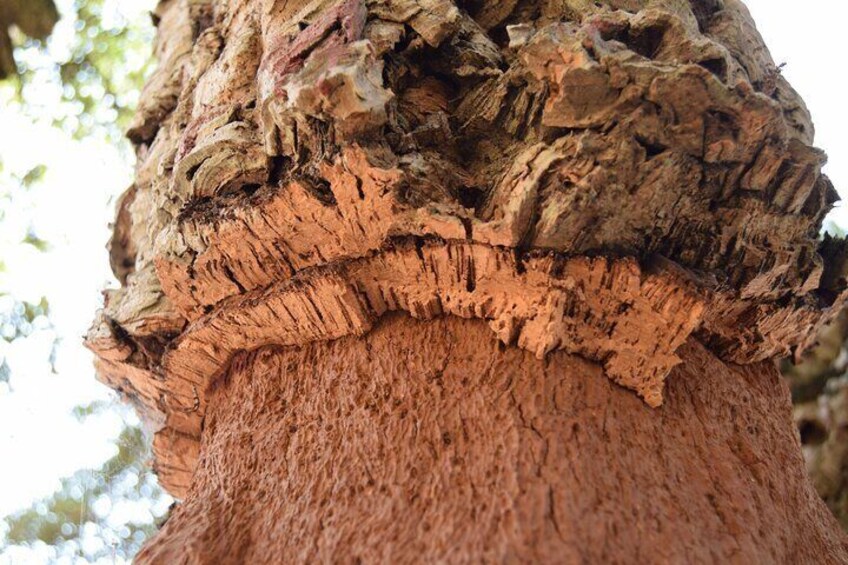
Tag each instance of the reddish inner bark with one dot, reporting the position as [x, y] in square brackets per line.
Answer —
[429, 441]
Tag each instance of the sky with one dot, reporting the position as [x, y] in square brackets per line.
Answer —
[68, 211]
[40, 439]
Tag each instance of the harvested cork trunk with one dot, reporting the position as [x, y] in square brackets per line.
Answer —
[424, 280]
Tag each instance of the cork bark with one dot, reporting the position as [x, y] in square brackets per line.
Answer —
[427, 442]
[631, 183]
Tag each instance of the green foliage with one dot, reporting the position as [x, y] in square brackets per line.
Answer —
[32, 176]
[83, 412]
[93, 81]
[97, 75]
[19, 318]
[35, 241]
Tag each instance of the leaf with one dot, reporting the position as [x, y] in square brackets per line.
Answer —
[90, 409]
[33, 176]
[36, 242]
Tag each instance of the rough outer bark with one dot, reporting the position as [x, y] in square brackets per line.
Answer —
[610, 180]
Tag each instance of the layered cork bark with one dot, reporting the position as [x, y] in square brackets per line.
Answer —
[621, 181]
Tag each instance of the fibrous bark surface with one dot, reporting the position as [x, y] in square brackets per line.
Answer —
[611, 180]
[492, 457]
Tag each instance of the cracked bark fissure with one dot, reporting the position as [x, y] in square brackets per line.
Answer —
[628, 182]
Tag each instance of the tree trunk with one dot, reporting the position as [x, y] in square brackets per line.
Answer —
[576, 201]
[428, 442]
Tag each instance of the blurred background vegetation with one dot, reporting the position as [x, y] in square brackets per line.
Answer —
[75, 66]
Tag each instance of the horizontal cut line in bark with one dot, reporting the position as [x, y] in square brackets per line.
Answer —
[279, 231]
[431, 277]
[594, 303]
[354, 295]
[604, 309]
[608, 310]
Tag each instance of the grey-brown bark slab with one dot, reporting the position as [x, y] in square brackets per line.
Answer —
[610, 180]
